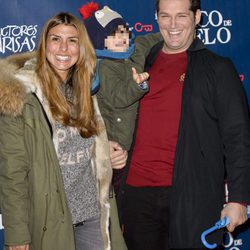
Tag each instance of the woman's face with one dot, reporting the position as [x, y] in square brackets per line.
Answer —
[62, 48]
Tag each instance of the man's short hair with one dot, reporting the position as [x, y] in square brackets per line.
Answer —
[194, 5]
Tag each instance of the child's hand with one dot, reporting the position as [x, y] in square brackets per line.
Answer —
[139, 78]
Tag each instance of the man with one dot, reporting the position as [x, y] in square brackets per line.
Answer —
[193, 130]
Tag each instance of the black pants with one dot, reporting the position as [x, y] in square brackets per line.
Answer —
[217, 248]
[146, 217]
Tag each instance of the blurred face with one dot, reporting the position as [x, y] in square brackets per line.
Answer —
[119, 42]
[62, 48]
[177, 24]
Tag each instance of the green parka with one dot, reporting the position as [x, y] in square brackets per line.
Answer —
[32, 197]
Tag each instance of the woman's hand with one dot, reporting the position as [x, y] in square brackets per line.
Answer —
[118, 156]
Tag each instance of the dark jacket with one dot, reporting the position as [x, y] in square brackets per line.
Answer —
[213, 143]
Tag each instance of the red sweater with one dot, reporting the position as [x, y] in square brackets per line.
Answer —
[156, 137]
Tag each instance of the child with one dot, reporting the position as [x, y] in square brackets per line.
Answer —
[120, 88]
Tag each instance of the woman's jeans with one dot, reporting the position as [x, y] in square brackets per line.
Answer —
[88, 236]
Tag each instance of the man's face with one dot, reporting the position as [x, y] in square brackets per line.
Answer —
[177, 24]
[119, 42]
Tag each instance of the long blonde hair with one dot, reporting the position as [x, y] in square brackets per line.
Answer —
[80, 113]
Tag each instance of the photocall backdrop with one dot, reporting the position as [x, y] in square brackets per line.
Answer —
[224, 29]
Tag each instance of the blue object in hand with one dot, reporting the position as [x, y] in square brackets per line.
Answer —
[218, 225]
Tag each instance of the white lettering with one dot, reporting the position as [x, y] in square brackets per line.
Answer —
[214, 28]
[227, 35]
[203, 34]
[73, 131]
[1, 224]
[8, 43]
[238, 242]
[230, 240]
[215, 15]
[79, 156]
[214, 18]
[227, 22]
[16, 38]
[204, 15]
[70, 160]
[73, 158]
[63, 159]
[26, 43]
[223, 35]
[61, 135]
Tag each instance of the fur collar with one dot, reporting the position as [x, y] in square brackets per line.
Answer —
[18, 78]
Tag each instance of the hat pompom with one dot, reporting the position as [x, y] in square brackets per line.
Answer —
[87, 9]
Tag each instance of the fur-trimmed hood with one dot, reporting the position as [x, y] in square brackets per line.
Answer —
[17, 80]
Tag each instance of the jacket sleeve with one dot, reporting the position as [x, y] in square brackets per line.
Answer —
[117, 84]
[233, 118]
[143, 45]
[14, 194]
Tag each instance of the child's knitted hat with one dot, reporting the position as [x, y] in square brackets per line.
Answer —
[100, 23]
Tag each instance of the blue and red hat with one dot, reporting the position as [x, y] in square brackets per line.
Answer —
[100, 23]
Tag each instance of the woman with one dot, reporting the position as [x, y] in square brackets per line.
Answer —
[54, 159]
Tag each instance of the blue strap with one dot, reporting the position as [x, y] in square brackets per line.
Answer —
[96, 81]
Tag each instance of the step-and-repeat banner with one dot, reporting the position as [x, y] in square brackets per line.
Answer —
[224, 29]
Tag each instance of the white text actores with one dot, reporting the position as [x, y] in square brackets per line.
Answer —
[15, 38]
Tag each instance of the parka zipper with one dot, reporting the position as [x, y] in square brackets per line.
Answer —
[45, 220]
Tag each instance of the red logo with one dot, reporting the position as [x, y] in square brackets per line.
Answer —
[242, 77]
[139, 27]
